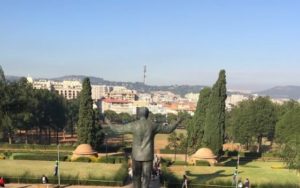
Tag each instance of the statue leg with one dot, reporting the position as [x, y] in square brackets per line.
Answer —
[147, 169]
[137, 173]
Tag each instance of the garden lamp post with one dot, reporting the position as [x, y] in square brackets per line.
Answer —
[58, 171]
[106, 147]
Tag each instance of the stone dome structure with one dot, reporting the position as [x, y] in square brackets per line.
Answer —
[204, 154]
[84, 150]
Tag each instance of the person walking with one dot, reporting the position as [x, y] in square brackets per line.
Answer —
[185, 182]
[247, 183]
[44, 179]
[2, 182]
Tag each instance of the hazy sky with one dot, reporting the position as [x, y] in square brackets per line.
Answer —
[257, 42]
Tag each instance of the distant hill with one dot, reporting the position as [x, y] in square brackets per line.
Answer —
[290, 92]
[139, 86]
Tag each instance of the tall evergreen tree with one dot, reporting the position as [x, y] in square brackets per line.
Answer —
[2, 76]
[214, 129]
[86, 121]
[196, 127]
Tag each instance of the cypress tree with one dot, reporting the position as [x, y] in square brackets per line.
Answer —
[215, 116]
[2, 76]
[196, 127]
[86, 121]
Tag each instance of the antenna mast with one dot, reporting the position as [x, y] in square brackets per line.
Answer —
[145, 70]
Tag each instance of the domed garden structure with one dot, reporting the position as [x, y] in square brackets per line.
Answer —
[203, 154]
[84, 150]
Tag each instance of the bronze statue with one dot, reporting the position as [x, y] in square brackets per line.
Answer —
[144, 131]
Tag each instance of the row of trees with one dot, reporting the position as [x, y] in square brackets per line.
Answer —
[248, 123]
[23, 108]
[254, 119]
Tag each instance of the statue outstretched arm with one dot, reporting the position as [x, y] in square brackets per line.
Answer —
[119, 128]
[166, 129]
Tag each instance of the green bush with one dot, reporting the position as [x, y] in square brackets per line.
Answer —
[112, 159]
[180, 163]
[232, 153]
[202, 163]
[170, 151]
[170, 180]
[252, 155]
[36, 147]
[37, 156]
[82, 159]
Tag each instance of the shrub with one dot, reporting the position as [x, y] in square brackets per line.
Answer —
[180, 163]
[171, 151]
[170, 180]
[36, 147]
[252, 155]
[111, 159]
[202, 163]
[232, 153]
[2, 156]
[82, 159]
[38, 156]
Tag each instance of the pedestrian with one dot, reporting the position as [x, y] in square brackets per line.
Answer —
[2, 182]
[240, 184]
[185, 182]
[234, 178]
[247, 183]
[44, 179]
[56, 168]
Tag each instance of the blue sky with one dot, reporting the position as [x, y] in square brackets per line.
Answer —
[257, 42]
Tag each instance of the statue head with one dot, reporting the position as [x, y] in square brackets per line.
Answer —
[142, 112]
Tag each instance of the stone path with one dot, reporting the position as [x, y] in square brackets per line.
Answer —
[154, 184]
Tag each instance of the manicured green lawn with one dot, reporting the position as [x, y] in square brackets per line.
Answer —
[258, 173]
[38, 168]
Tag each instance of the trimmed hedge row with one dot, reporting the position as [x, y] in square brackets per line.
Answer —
[36, 146]
[39, 156]
[170, 151]
[202, 163]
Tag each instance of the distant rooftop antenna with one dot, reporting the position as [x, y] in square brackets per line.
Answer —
[145, 70]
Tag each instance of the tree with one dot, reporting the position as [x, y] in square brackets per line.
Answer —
[125, 117]
[253, 119]
[240, 122]
[112, 116]
[86, 121]
[214, 129]
[265, 119]
[287, 135]
[195, 129]
[72, 115]
[99, 133]
[2, 76]
[186, 118]
[27, 104]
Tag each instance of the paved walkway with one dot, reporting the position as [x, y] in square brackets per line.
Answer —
[154, 184]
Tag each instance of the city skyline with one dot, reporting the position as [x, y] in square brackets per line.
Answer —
[256, 42]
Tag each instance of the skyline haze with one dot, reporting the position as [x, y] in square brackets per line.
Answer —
[256, 42]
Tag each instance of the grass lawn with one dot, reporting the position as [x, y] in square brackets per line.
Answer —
[257, 172]
[161, 140]
[38, 168]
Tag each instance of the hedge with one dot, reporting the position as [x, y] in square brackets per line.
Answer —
[36, 146]
[202, 163]
[112, 159]
[37, 156]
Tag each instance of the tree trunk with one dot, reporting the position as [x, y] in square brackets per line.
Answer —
[9, 138]
[40, 133]
[26, 136]
[57, 142]
[49, 136]
[259, 141]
